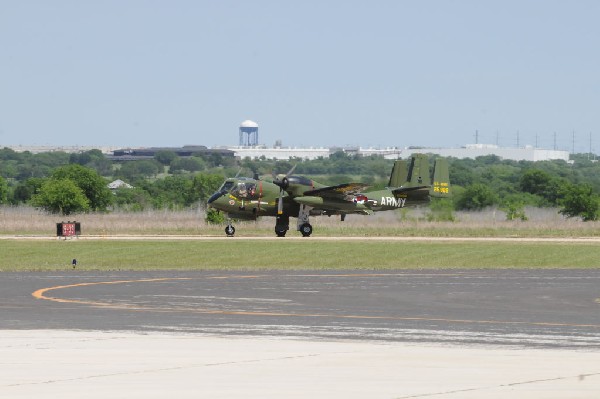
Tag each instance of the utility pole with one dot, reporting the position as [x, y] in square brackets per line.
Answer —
[517, 139]
[573, 152]
[476, 136]
[554, 141]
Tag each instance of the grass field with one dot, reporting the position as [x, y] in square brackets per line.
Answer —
[282, 254]
[262, 254]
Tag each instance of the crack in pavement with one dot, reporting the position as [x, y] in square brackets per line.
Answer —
[173, 368]
[580, 377]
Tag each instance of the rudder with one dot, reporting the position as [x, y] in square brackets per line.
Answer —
[399, 173]
[441, 179]
[418, 171]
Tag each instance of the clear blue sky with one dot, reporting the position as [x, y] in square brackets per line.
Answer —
[311, 73]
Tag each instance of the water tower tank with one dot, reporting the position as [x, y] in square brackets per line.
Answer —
[248, 134]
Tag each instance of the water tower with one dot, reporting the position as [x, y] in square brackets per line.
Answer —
[248, 134]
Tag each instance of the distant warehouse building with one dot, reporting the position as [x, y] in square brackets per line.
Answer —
[132, 154]
[473, 151]
[469, 151]
[279, 153]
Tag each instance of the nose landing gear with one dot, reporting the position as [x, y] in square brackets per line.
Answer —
[229, 229]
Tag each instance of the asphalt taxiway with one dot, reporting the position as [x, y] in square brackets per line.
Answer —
[353, 334]
[535, 308]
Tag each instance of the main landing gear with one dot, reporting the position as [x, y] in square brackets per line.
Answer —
[282, 223]
[306, 230]
[304, 226]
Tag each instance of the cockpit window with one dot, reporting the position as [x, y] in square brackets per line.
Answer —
[244, 190]
[226, 187]
[300, 180]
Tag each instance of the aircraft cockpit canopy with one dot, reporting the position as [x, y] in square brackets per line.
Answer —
[226, 186]
[244, 189]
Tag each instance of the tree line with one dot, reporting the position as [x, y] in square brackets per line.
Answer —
[70, 183]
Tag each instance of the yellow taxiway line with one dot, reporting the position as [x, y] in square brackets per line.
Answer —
[41, 294]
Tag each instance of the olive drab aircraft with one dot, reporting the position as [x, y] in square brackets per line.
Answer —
[289, 195]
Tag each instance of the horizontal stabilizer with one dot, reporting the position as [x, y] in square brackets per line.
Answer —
[401, 190]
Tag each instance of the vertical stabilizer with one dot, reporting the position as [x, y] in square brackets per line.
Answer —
[441, 179]
[399, 173]
[418, 171]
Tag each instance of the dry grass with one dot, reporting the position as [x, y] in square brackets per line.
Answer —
[541, 223]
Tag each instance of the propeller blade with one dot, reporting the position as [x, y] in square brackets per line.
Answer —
[284, 182]
[288, 174]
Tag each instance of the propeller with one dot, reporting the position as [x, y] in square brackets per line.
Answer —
[283, 184]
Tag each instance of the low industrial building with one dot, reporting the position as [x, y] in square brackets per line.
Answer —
[469, 151]
[132, 154]
[527, 153]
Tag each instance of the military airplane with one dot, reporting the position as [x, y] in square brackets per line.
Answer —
[289, 195]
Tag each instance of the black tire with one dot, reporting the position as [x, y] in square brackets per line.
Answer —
[230, 231]
[280, 232]
[306, 230]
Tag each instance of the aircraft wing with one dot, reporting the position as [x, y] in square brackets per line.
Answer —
[344, 191]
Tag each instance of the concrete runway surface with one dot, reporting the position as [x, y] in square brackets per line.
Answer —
[447, 334]
[67, 364]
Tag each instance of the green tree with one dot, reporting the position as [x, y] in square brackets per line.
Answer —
[580, 201]
[94, 159]
[214, 217]
[61, 196]
[25, 190]
[93, 185]
[165, 157]
[204, 185]
[514, 210]
[541, 183]
[132, 199]
[3, 191]
[535, 181]
[172, 192]
[190, 164]
[136, 170]
[476, 197]
[440, 210]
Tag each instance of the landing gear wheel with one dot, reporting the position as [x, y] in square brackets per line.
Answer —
[306, 230]
[230, 230]
[280, 231]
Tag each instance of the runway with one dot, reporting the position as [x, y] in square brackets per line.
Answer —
[530, 308]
